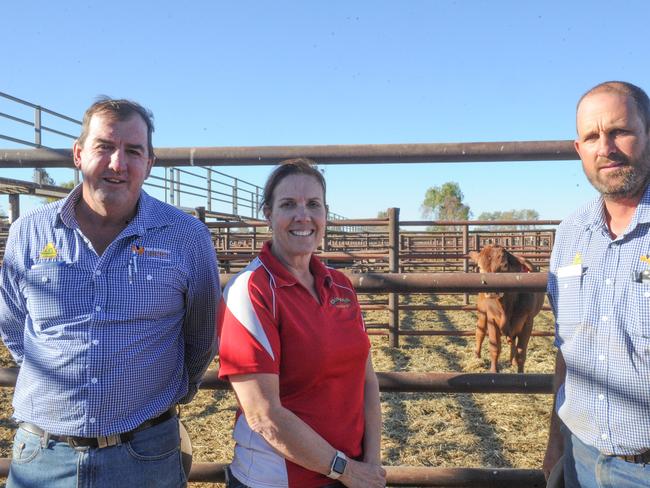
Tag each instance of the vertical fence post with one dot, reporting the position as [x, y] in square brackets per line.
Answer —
[209, 188]
[235, 209]
[14, 207]
[393, 267]
[172, 198]
[257, 202]
[37, 126]
[466, 259]
[200, 213]
[178, 187]
[165, 182]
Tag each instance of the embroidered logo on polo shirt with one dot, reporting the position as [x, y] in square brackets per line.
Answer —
[151, 252]
[645, 259]
[577, 259]
[339, 302]
[49, 251]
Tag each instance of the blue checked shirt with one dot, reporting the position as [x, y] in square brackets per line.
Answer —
[601, 302]
[107, 342]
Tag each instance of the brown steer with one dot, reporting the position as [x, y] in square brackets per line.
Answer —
[509, 313]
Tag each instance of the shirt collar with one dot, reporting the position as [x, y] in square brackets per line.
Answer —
[148, 215]
[283, 276]
[593, 216]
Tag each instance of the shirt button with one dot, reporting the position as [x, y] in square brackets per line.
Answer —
[601, 397]
[608, 281]
[44, 279]
[98, 308]
[98, 272]
[601, 357]
[566, 285]
[647, 294]
[94, 380]
[604, 318]
[95, 342]
[149, 277]
[603, 436]
[91, 420]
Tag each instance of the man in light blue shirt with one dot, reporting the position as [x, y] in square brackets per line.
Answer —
[599, 288]
[107, 304]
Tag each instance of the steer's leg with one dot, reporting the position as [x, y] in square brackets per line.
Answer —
[481, 330]
[495, 346]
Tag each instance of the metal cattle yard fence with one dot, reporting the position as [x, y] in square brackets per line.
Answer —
[383, 257]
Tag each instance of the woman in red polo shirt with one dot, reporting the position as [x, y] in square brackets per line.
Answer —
[294, 347]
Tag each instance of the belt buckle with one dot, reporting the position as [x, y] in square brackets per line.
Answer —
[108, 441]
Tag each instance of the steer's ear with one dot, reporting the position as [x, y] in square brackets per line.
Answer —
[523, 264]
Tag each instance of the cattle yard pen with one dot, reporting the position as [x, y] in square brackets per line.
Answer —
[384, 259]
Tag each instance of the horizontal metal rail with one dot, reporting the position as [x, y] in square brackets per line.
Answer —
[441, 282]
[406, 382]
[331, 154]
[400, 476]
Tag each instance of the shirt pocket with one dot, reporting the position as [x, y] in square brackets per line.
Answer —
[56, 293]
[569, 300]
[154, 291]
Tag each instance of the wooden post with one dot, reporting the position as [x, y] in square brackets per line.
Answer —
[14, 207]
[393, 267]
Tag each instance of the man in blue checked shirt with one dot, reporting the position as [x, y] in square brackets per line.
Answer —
[599, 288]
[107, 304]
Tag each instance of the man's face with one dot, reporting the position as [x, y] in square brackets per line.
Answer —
[613, 144]
[114, 161]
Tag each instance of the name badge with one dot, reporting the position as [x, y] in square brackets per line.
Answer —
[571, 270]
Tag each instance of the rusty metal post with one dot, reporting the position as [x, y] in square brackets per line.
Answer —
[14, 207]
[393, 267]
[200, 213]
[466, 259]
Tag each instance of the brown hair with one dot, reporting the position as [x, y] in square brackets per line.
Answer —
[120, 109]
[638, 96]
[288, 167]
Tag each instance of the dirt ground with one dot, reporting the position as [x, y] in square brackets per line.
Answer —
[420, 429]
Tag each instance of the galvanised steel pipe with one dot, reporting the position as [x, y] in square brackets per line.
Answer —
[323, 154]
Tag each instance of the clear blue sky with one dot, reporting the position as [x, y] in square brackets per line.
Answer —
[250, 73]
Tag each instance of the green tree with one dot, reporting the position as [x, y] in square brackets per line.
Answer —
[521, 214]
[445, 203]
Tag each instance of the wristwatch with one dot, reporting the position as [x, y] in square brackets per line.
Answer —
[337, 468]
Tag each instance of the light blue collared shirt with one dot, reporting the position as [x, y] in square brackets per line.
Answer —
[107, 342]
[601, 303]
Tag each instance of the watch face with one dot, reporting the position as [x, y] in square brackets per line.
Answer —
[339, 465]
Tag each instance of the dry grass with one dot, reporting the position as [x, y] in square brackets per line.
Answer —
[442, 430]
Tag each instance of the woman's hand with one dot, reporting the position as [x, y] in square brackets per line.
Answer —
[363, 475]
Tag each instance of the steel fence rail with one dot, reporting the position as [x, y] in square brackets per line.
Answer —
[330, 154]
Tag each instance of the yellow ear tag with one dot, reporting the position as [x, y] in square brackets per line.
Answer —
[645, 259]
[577, 259]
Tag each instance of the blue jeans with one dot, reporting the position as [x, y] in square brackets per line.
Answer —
[152, 458]
[586, 467]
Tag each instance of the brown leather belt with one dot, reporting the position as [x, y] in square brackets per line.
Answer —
[643, 458]
[102, 441]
